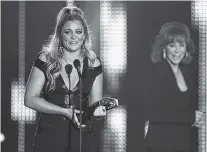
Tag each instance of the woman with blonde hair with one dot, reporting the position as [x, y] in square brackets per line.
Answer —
[53, 87]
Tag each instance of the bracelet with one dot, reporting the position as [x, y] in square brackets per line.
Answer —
[98, 117]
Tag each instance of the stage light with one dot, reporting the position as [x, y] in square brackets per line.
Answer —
[199, 20]
[2, 137]
[113, 33]
[18, 111]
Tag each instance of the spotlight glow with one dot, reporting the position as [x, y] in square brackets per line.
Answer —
[117, 120]
[199, 19]
[18, 111]
[113, 53]
[113, 43]
[2, 137]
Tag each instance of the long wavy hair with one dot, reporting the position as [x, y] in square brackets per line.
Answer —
[171, 32]
[53, 47]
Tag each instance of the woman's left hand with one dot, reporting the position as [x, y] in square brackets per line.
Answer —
[100, 111]
[199, 118]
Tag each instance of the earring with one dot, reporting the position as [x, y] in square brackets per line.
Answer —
[60, 51]
[186, 54]
[83, 49]
[164, 54]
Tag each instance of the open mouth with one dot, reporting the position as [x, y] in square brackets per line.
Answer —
[75, 42]
[176, 57]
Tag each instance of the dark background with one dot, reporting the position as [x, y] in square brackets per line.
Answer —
[144, 20]
[9, 71]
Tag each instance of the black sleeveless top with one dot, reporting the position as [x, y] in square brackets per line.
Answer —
[57, 96]
[54, 132]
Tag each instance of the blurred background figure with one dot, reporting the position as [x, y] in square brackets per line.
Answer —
[172, 98]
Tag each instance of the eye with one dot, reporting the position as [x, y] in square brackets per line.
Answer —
[182, 45]
[171, 45]
[67, 32]
[79, 31]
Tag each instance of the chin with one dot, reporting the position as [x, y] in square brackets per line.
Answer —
[74, 49]
[176, 62]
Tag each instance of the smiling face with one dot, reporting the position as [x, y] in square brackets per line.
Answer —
[72, 35]
[175, 51]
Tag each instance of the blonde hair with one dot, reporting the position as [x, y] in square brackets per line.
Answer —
[53, 47]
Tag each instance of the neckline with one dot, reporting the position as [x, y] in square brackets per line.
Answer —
[85, 62]
[65, 86]
[175, 81]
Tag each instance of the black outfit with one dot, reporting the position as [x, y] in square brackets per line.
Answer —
[52, 130]
[170, 111]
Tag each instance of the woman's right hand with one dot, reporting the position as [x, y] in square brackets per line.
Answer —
[72, 115]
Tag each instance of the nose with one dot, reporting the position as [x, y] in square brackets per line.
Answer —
[73, 36]
[177, 49]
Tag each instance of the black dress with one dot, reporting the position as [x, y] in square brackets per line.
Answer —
[170, 111]
[54, 133]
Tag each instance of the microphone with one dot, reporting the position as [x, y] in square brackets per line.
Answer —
[77, 65]
[68, 69]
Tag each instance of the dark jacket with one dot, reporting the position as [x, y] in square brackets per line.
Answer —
[170, 111]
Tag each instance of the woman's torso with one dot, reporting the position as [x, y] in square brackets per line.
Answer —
[171, 103]
[58, 95]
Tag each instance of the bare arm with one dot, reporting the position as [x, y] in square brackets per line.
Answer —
[32, 95]
[97, 92]
[97, 88]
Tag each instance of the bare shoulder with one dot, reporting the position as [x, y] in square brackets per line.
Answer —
[96, 63]
[42, 56]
